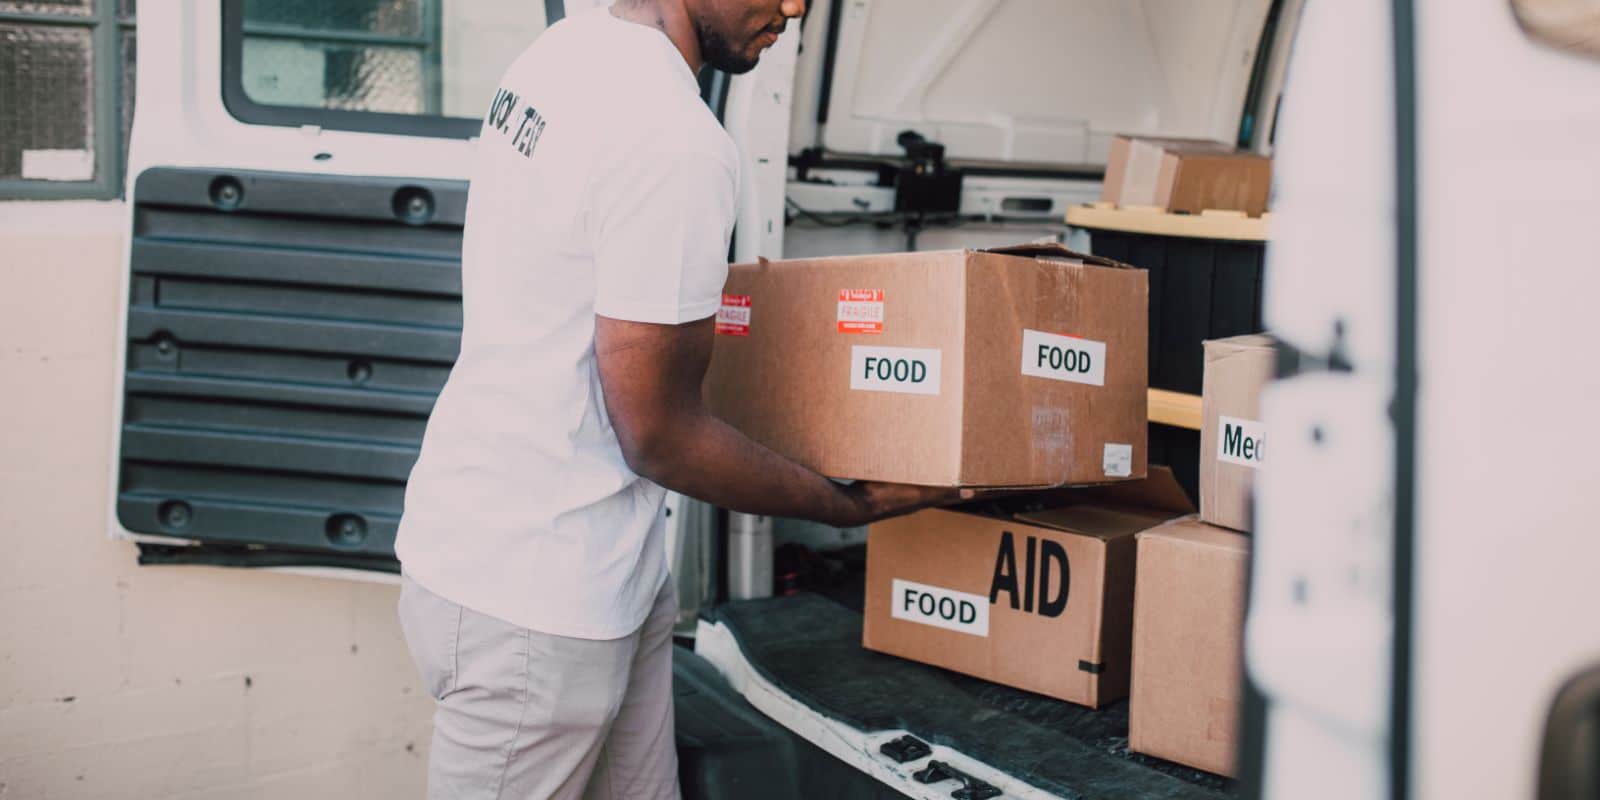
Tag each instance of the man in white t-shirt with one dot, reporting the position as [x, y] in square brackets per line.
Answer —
[535, 598]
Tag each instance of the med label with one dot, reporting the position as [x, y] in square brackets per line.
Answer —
[1063, 358]
[908, 370]
[1241, 441]
[939, 607]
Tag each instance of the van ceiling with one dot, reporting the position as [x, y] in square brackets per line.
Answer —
[1038, 81]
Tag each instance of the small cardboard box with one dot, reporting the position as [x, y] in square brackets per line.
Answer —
[1186, 175]
[1188, 631]
[1040, 600]
[1231, 434]
[1015, 367]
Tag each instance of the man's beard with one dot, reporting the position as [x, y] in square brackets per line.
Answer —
[715, 50]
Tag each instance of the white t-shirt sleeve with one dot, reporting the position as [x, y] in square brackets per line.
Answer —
[660, 223]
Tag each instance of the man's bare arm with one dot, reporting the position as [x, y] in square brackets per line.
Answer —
[651, 376]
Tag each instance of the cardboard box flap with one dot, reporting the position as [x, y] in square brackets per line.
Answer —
[1096, 521]
[1174, 143]
[1159, 491]
[1048, 249]
[1191, 530]
[1222, 348]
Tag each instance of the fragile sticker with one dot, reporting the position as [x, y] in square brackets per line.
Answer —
[733, 317]
[861, 311]
[1063, 358]
[940, 607]
[1117, 460]
[908, 370]
[1241, 441]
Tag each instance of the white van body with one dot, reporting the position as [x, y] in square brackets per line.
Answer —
[1420, 575]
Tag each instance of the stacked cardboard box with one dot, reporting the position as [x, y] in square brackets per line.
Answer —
[1232, 438]
[1188, 631]
[1189, 602]
[1041, 600]
[1186, 175]
[1014, 367]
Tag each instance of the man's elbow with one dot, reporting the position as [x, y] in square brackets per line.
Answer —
[651, 451]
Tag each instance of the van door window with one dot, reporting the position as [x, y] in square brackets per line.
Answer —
[425, 67]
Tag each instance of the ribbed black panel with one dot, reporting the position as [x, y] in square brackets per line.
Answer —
[287, 337]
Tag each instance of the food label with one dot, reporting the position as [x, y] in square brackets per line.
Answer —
[1063, 358]
[909, 370]
[939, 607]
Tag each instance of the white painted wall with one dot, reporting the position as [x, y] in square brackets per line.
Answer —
[120, 681]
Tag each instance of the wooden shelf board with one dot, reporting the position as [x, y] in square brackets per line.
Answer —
[1231, 225]
[1175, 408]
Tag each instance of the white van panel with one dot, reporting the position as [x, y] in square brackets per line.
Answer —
[1038, 81]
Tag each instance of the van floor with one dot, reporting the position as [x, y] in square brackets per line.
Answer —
[809, 646]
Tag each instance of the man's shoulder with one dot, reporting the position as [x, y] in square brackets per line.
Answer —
[659, 125]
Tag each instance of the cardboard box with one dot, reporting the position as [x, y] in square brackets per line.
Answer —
[1014, 367]
[1040, 600]
[1232, 437]
[1188, 631]
[1186, 175]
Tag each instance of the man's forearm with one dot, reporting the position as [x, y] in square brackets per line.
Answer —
[651, 375]
[705, 458]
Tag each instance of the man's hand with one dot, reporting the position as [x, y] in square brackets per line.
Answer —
[873, 500]
[651, 375]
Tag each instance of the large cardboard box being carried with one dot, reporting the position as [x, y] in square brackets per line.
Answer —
[1015, 367]
[1231, 434]
[1188, 629]
[1041, 600]
[1186, 175]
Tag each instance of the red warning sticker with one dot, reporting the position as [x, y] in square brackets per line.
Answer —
[861, 311]
[733, 318]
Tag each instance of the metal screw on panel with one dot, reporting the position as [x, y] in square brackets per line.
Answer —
[413, 205]
[346, 530]
[166, 346]
[359, 372]
[226, 193]
[175, 515]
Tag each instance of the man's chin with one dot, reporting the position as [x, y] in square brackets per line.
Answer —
[736, 66]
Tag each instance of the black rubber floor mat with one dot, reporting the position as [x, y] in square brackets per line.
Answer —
[810, 647]
[727, 750]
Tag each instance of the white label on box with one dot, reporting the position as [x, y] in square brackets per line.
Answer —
[1118, 460]
[1240, 441]
[941, 608]
[58, 165]
[1063, 358]
[910, 370]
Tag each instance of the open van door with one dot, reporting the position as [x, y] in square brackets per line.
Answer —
[292, 303]
[297, 190]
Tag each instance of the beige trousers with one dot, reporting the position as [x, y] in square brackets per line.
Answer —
[530, 716]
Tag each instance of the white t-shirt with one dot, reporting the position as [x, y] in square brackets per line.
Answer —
[602, 185]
